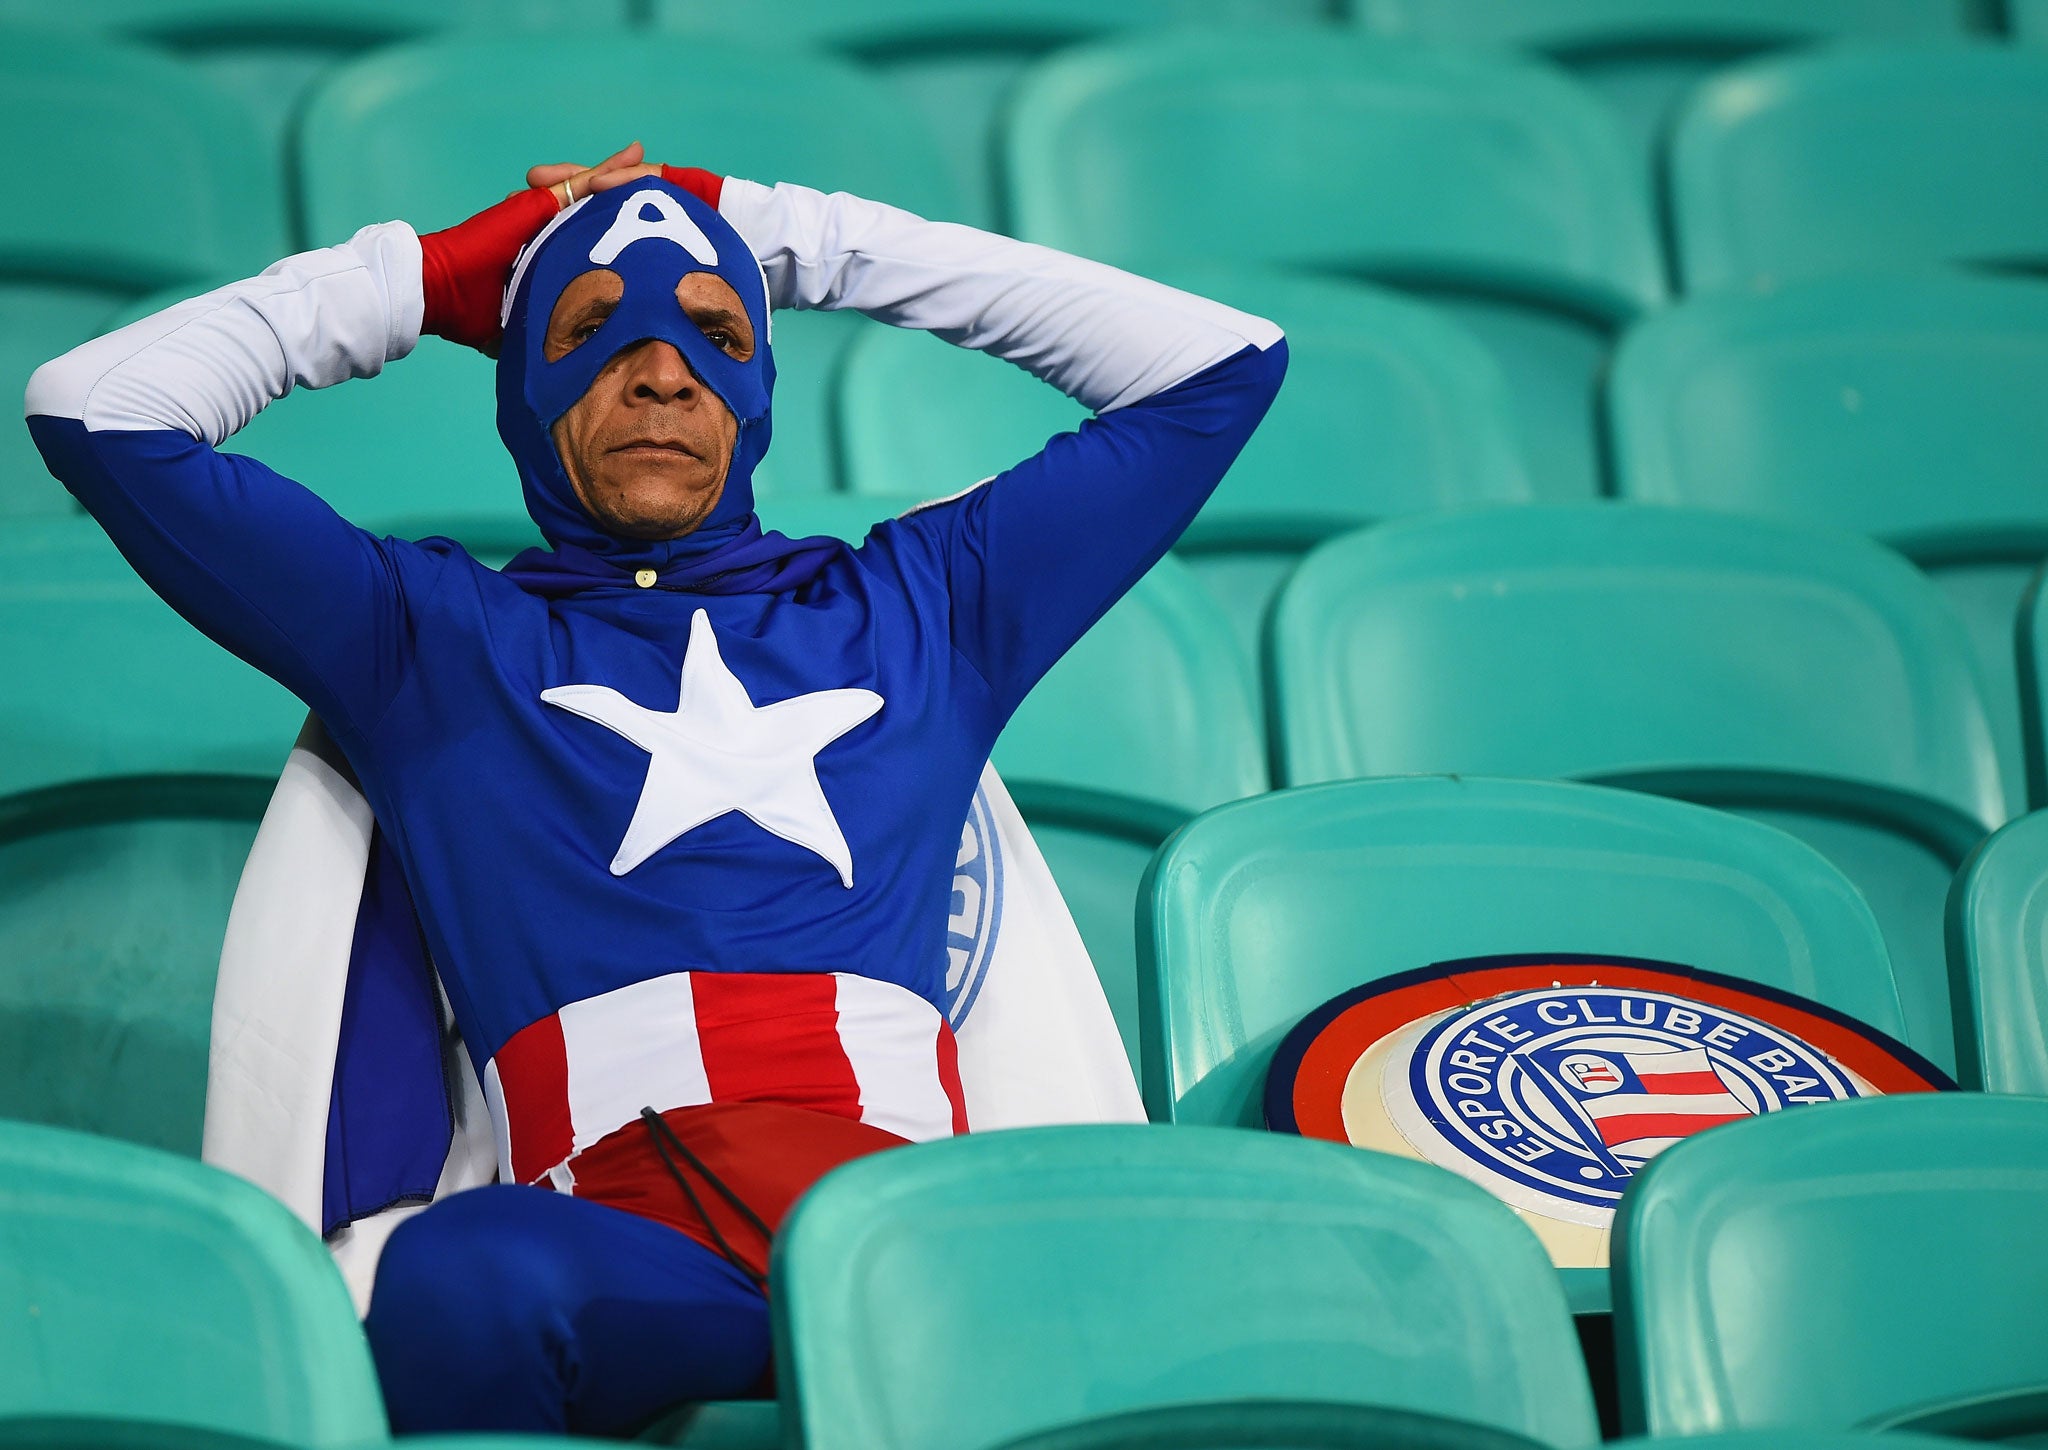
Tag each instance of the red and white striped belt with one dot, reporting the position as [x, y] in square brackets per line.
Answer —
[856, 1047]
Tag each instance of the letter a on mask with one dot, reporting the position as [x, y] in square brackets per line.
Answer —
[668, 220]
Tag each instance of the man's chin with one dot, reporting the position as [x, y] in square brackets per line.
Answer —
[652, 524]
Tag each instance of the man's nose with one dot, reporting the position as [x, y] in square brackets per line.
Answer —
[658, 373]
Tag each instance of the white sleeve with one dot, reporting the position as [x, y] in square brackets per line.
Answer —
[1101, 336]
[207, 366]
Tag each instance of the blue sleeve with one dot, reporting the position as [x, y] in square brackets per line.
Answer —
[259, 563]
[1039, 553]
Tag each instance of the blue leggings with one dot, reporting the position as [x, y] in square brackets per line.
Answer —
[510, 1308]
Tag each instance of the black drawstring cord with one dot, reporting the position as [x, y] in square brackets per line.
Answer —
[664, 1139]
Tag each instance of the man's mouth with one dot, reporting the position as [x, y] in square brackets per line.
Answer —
[655, 448]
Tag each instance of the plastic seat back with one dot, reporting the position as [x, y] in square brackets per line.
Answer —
[1094, 1254]
[1861, 158]
[1813, 678]
[769, 114]
[115, 899]
[1258, 913]
[267, 54]
[121, 683]
[1643, 59]
[1390, 408]
[956, 61]
[145, 1286]
[1852, 1265]
[1905, 406]
[208, 199]
[1490, 182]
[1998, 961]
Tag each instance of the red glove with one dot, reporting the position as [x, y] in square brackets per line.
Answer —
[704, 185]
[465, 268]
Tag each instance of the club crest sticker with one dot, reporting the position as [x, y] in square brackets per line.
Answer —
[1553, 1080]
[977, 910]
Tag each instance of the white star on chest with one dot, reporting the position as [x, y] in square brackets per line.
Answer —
[718, 752]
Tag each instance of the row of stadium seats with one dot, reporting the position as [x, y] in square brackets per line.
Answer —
[1772, 1274]
[1810, 680]
[955, 61]
[1487, 184]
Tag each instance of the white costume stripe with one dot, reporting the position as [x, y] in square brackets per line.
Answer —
[633, 1048]
[891, 1036]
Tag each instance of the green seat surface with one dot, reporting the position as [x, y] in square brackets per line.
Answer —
[1259, 912]
[1469, 174]
[1905, 406]
[1778, 669]
[1835, 1267]
[1861, 157]
[1998, 960]
[769, 114]
[114, 897]
[1643, 59]
[1082, 1271]
[957, 61]
[207, 199]
[1389, 408]
[267, 54]
[140, 1285]
[109, 680]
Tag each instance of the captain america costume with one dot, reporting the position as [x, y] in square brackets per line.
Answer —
[535, 742]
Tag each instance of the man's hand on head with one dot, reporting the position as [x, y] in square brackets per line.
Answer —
[465, 267]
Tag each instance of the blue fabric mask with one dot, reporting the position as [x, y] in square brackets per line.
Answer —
[652, 235]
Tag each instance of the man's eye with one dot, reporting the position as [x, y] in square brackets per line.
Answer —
[724, 341]
[587, 328]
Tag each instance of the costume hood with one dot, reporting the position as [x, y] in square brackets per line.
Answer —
[652, 235]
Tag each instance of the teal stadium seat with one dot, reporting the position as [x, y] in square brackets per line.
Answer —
[1644, 58]
[268, 53]
[956, 61]
[1998, 961]
[1152, 717]
[743, 109]
[411, 452]
[1861, 158]
[1811, 679]
[205, 201]
[1489, 183]
[1875, 1264]
[1390, 408]
[114, 895]
[107, 680]
[1260, 912]
[1907, 406]
[140, 1286]
[1070, 1273]
[2028, 19]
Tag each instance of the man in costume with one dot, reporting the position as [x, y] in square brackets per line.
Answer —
[677, 799]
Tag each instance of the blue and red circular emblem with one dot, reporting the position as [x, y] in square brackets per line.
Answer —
[1551, 1080]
